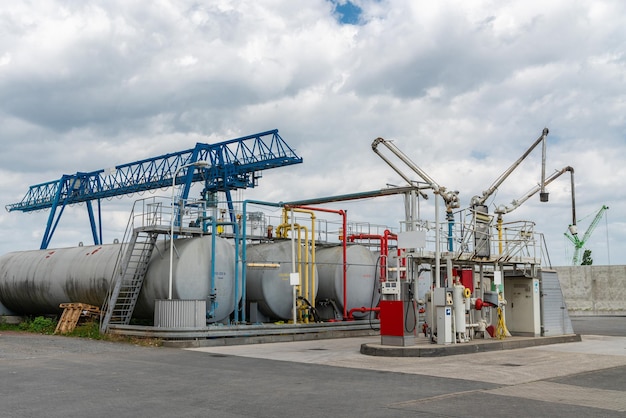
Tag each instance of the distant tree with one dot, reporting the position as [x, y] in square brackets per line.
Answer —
[587, 260]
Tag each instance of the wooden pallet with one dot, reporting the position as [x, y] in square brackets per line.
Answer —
[72, 312]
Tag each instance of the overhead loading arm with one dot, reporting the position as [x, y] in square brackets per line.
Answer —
[450, 197]
[480, 200]
[502, 210]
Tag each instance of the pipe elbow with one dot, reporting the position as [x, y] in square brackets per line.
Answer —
[376, 142]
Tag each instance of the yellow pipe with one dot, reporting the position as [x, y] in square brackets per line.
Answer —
[309, 271]
[264, 265]
[286, 226]
[303, 279]
[282, 232]
[311, 296]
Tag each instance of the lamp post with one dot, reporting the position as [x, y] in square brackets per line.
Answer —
[194, 164]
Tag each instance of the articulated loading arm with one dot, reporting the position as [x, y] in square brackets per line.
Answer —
[503, 210]
[480, 200]
[450, 197]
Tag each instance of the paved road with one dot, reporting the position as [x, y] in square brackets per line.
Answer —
[52, 376]
[600, 325]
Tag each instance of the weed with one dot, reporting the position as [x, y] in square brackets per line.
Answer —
[6, 326]
[88, 329]
[39, 325]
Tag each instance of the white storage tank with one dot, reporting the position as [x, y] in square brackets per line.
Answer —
[36, 282]
[362, 279]
[267, 278]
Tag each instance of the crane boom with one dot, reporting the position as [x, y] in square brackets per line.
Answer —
[233, 164]
[572, 235]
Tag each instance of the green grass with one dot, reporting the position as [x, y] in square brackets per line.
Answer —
[88, 329]
[38, 325]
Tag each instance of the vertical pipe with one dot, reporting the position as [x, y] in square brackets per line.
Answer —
[499, 234]
[236, 231]
[437, 249]
[543, 161]
[571, 171]
[213, 242]
[293, 269]
[450, 218]
[344, 215]
[345, 265]
[244, 251]
[243, 264]
[310, 295]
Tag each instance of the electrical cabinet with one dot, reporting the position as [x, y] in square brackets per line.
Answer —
[522, 311]
[443, 300]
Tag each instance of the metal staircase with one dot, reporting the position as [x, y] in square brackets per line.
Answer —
[147, 221]
[120, 303]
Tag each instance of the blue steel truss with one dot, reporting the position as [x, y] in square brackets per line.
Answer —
[233, 164]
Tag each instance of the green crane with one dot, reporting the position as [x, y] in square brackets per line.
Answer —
[572, 235]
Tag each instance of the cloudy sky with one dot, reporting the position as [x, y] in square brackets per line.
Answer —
[463, 88]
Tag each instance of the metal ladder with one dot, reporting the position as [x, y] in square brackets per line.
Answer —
[120, 303]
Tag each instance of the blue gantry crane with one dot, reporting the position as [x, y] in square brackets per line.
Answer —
[230, 165]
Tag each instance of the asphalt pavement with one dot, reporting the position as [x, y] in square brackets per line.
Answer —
[55, 376]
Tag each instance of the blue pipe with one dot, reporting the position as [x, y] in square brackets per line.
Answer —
[243, 249]
[212, 294]
[211, 312]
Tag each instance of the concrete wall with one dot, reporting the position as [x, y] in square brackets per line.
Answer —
[594, 290]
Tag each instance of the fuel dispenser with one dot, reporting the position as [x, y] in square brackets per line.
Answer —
[397, 313]
[398, 320]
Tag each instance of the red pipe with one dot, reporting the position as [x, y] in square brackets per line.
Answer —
[362, 310]
[384, 248]
[383, 263]
[344, 245]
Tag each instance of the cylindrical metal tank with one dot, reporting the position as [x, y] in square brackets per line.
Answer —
[459, 308]
[361, 277]
[267, 283]
[36, 282]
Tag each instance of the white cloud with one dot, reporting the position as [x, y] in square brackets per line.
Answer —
[463, 88]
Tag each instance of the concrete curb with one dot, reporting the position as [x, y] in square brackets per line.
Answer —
[432, 350]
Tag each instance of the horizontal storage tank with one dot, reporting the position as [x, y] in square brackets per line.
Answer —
[362, 279]
[36, 282]
[267, 278]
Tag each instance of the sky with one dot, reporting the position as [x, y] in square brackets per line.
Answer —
[462, 88]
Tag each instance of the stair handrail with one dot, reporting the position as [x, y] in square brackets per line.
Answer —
[105, 315]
